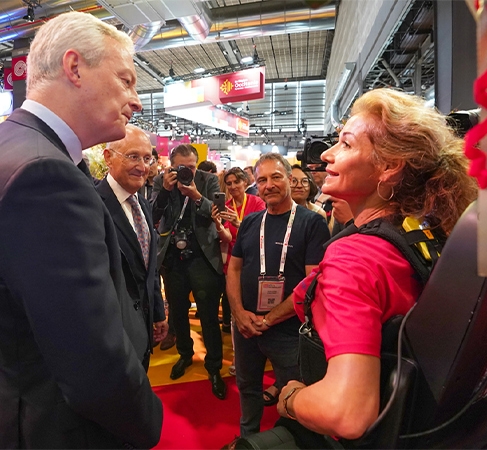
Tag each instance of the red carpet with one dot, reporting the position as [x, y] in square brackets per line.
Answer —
[195, 419]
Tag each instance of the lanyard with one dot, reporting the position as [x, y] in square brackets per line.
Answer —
[182, 213]
[284, 244]
[242, 211]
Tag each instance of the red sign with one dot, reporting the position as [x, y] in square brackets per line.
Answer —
[241, 86]
[232, 87]
[19, 68]
[7, 79]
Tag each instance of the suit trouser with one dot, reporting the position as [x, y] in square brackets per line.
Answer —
[196, 275]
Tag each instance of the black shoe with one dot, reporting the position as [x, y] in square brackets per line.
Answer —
[168, 342]
[179, 368]
[218, 386]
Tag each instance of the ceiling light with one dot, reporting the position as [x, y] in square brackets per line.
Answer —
[247, 60]
[199, 70]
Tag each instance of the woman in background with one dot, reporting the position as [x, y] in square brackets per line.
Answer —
[304, 189]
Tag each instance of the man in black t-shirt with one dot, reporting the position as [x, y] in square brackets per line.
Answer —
[274, 251]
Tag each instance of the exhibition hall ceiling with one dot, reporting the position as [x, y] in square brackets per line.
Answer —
[292, 40]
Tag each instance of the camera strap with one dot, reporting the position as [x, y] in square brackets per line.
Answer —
[185, 204]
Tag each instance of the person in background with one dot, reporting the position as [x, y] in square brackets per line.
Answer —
[303, 190]
[146, 190]
[275, 249]
[251, 186]
[336, 211]
[207, 166]
[70, 376]
[190, 258]
[228, 222]
[319, 178]
[395, 158]
[129, 161]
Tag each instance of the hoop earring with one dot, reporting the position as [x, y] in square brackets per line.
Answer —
[379, 194]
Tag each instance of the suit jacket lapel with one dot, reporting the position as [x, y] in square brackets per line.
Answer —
[120, 219]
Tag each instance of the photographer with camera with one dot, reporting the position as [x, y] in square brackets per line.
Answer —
[190, 258]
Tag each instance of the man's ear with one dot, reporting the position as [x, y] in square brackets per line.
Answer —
[107, 154]
[71, 66]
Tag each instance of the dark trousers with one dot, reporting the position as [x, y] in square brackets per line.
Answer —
[226, 312]
[180, 278]
[251, 354]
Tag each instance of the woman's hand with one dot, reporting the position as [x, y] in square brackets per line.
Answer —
[231, 216]
[215, 215]
[284, 391]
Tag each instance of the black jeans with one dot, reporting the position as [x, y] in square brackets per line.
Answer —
[195, 275]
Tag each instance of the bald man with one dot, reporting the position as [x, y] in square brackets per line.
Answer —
[129, 161]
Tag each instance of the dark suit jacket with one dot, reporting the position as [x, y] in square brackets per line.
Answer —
[69, 374]
[143, 284]
[167, 207]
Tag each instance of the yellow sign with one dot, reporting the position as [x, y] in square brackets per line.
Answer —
[226, 87]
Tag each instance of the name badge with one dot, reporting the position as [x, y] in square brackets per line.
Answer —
[271, 293]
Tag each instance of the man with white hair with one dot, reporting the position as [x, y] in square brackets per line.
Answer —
[129, 161]
[69, 374]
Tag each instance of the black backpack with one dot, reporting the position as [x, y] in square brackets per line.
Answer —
[420, 247]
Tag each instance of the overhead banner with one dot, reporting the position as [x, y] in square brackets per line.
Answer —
[231, 87]
[181, 99]
[214, 117]
[7, 79]
[241, 86]
[19, 68]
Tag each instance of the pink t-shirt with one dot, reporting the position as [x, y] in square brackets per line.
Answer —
[364, 281]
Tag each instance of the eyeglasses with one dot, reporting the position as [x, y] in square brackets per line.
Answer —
[135, 159]
[304, 182]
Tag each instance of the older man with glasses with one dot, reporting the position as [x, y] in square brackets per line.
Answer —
[129, 161]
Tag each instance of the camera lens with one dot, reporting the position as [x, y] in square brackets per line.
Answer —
[185, 175]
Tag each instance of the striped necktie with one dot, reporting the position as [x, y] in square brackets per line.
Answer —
[141, 228]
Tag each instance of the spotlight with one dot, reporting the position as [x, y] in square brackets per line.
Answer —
[30, 16]
[285, 87]
[171, 72]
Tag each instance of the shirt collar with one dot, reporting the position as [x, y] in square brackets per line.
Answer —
[59, 126]
[121, 194]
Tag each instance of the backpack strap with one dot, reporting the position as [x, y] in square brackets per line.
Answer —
[407, 242]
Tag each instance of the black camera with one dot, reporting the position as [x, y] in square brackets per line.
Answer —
[313, 148]
[184, 174]
[180, 238]
[462, 121]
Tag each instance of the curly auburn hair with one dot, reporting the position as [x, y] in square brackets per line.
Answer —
[434, 185]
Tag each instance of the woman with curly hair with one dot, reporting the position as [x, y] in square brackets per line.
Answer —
[395, 158]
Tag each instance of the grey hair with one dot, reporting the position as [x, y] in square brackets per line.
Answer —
[275, 157]
[73, 30]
